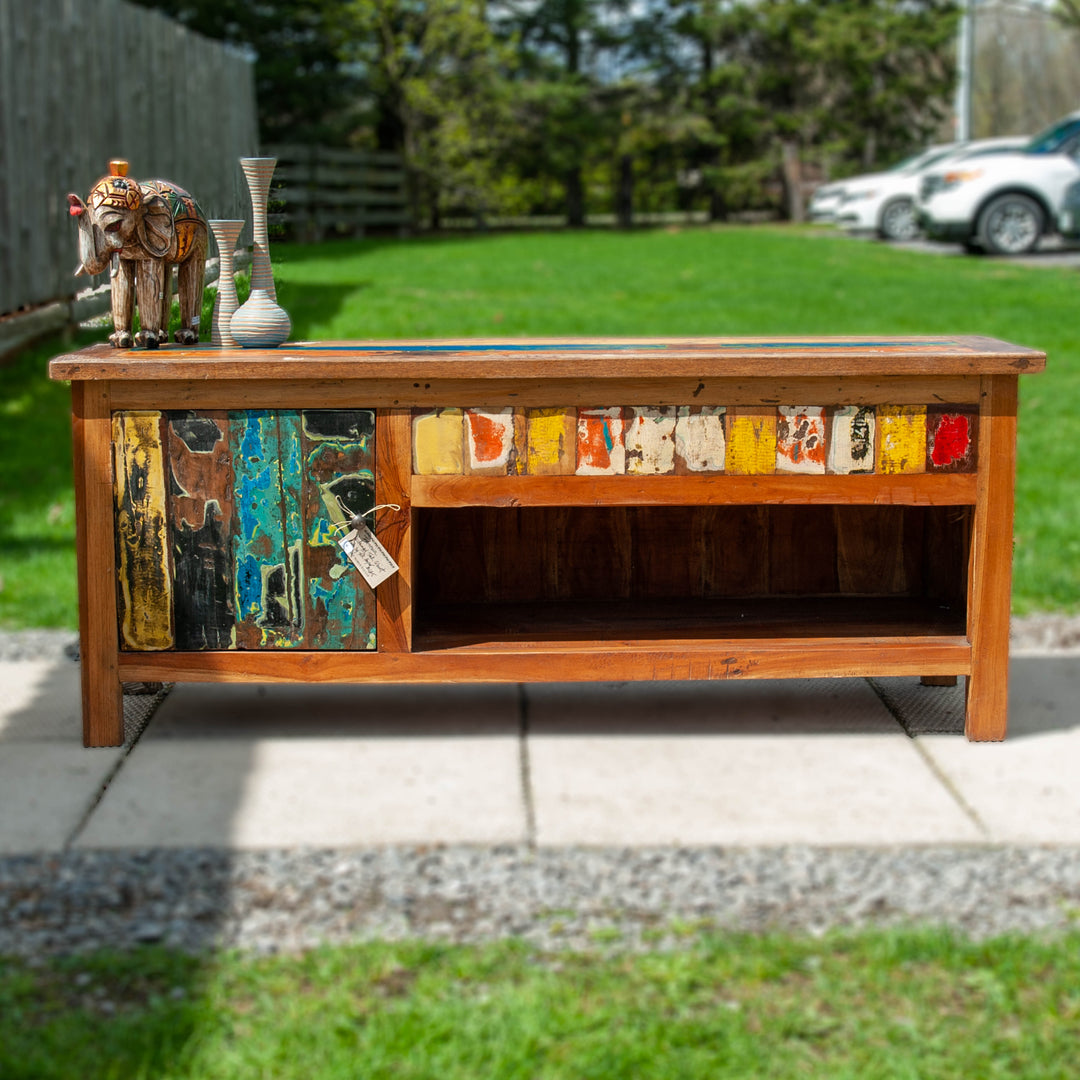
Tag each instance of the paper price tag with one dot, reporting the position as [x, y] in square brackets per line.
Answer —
[368, 556]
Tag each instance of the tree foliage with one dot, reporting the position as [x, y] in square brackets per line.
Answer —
[585, 105]
[305, 91]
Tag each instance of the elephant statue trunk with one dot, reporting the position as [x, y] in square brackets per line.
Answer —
[94, 256]
[152, 226]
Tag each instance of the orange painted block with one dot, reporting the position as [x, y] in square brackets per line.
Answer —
[601, 443]
[494, 442]
[551, 442]
[800, 439]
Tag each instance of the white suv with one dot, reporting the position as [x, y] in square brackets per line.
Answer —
[885, 203]
[828, 200]
[1005, 204]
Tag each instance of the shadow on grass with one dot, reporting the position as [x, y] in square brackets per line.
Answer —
[315, 304]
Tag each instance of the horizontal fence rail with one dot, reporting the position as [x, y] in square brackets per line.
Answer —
[83, 81]
[320, 192]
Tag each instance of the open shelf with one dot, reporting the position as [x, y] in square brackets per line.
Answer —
[652, 622]
[859, 582]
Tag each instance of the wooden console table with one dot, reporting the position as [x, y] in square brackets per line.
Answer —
[568, 510]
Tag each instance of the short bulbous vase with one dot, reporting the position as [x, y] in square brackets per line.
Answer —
[259, 322]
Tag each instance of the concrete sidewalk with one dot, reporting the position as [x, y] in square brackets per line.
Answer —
[822, 762]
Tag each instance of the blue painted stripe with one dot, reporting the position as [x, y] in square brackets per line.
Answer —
[573, 347]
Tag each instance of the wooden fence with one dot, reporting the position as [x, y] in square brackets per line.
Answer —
[320, 192]
[83, 81]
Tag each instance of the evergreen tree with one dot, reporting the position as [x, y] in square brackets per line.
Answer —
[304, 92]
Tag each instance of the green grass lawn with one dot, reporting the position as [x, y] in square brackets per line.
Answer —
[869, 1006]
[753, 280]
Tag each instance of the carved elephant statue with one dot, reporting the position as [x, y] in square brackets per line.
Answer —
[153, 226]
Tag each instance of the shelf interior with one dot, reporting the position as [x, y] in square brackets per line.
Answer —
[687, 573]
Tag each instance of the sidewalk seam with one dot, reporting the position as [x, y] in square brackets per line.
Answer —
[942, 778]
[525, 768]
[110, 776]
[95, 802]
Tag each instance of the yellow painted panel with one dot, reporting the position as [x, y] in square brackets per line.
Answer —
[901, 439]
[146, 590]
[552, 442]
[438, 438]
[751, 442]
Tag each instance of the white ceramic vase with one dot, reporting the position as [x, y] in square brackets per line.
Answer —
[225, 233]
[259, 322]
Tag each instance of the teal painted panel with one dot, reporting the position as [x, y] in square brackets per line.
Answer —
[267, 531]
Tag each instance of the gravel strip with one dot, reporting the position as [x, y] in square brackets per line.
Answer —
[38, 644]
[558, 899]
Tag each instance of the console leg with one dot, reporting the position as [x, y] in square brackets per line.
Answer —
[102, 693]
[990, 574]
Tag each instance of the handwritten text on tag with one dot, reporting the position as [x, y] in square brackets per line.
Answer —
[368, 555]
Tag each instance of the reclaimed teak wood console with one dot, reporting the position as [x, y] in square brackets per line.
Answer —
[569, 510]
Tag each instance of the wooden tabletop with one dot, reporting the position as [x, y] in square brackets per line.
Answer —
[553, 358]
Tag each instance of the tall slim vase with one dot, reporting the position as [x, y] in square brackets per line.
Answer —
[260, 322]
[226, 232]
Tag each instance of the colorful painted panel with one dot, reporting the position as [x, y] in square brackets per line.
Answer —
[338, 482]
[552, 442]
[800, 439]
[267, 537]
[951, 438]
[650, 441]
[751, 442]
[145, 600]
[437, 442]
[901, 439]
[700, 444]
[494, 442]
[601, 442]
[200, 520]
[852, 431]
[227, 525]
[692, 439]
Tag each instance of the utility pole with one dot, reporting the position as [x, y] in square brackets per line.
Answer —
[965, 63]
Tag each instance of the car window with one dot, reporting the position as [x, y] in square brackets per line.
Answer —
[992, 150]
[917, 161]
[926, 160]
[908, 161]
[1056, 139]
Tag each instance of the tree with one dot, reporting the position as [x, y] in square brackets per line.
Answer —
[894, 72]
[433, 74]
[567, 51]
[303, 90]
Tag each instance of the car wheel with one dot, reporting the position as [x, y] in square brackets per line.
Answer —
[898, 221]
[1010, 225]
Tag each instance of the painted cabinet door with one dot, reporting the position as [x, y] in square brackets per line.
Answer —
[227, 527]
